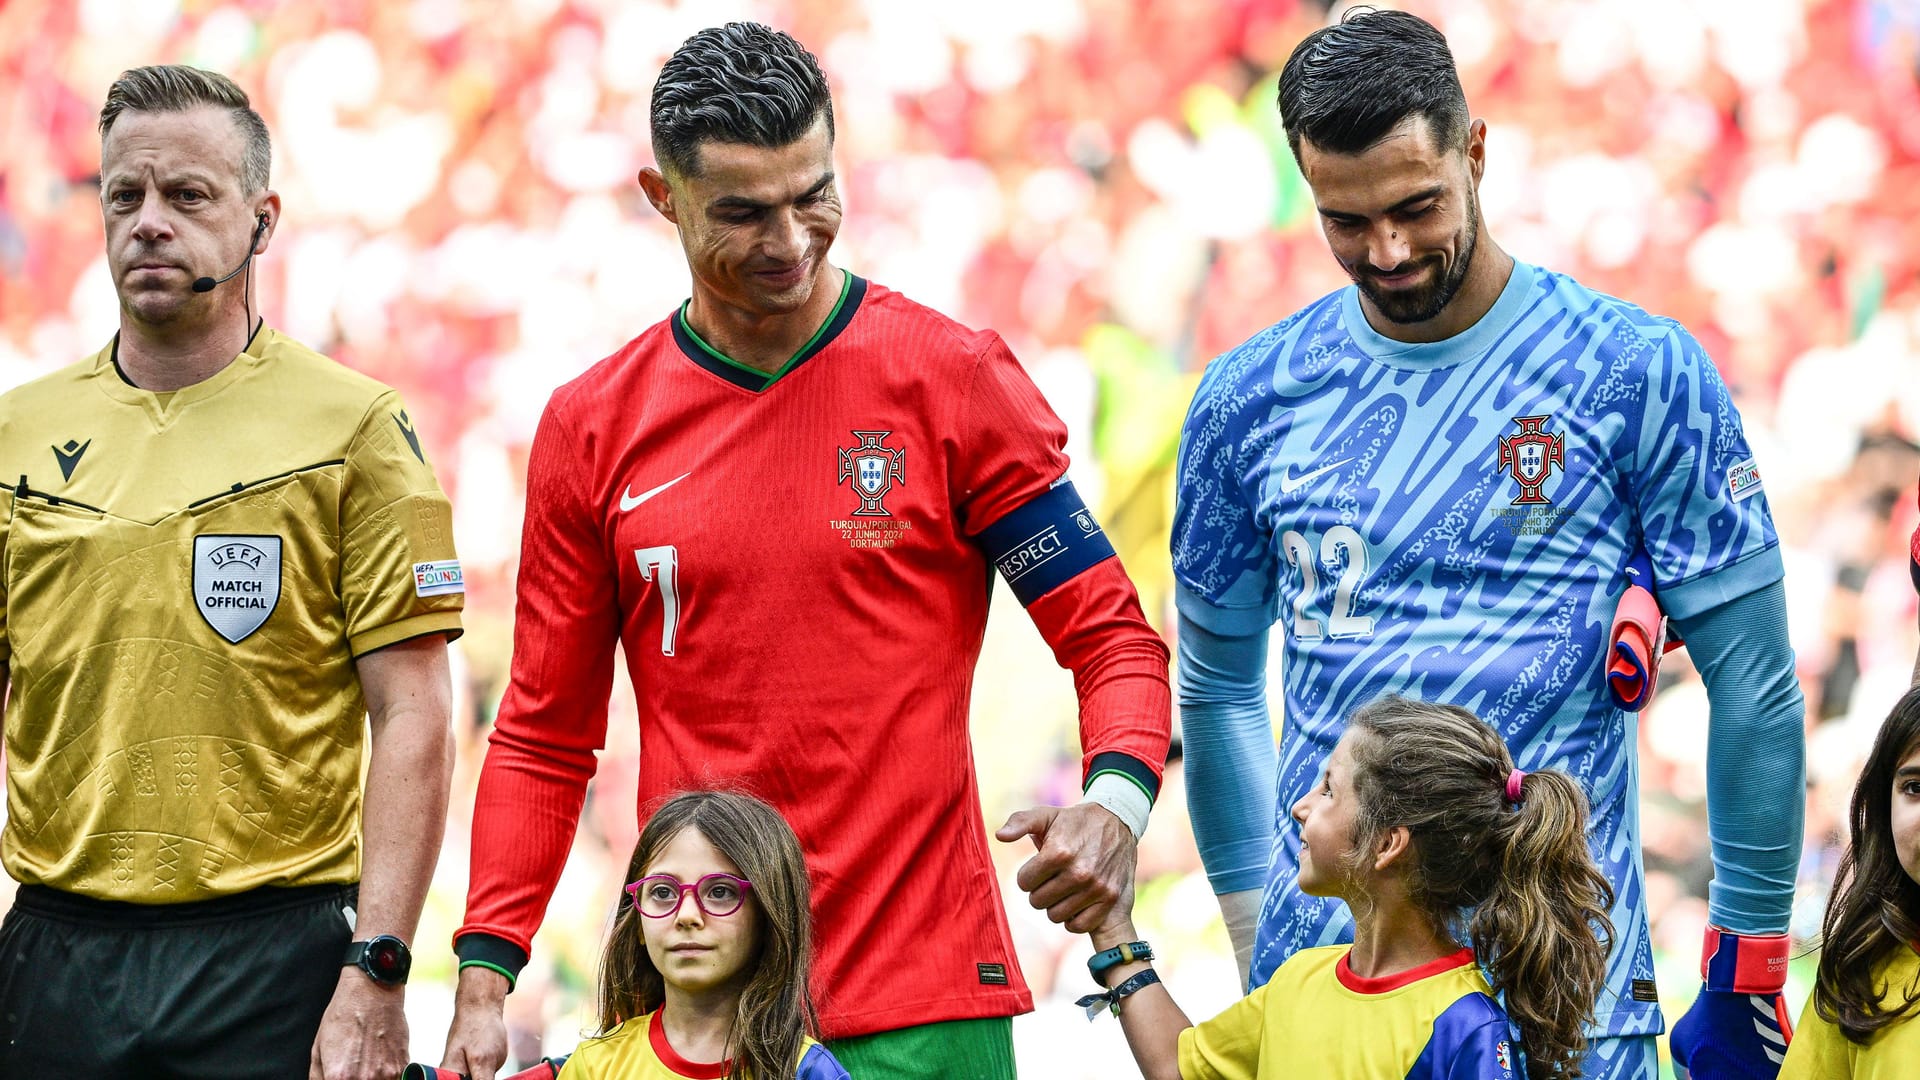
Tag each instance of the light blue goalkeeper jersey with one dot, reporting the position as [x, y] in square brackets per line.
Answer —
[1450, 521]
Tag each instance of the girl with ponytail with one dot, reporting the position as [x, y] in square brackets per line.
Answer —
[1471, 884]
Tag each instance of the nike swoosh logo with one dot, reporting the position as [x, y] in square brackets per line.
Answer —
[1290, 483]
[629, 500]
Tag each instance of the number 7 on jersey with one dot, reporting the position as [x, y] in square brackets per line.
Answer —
[663, 563]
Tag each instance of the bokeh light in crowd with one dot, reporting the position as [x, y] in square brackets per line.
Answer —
[1105, 183]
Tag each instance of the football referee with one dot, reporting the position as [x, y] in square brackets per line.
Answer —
[222, 554]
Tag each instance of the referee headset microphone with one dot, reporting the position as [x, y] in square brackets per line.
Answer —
[207, 284]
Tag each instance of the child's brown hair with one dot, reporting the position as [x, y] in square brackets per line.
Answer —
[1518, 882]
[1875, 906]
[776, 1008]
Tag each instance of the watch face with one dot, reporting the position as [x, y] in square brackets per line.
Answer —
[387, 958]
[384, 957]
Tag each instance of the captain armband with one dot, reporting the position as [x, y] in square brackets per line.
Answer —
[1045, 543]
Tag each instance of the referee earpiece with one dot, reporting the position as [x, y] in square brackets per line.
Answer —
[207, 284]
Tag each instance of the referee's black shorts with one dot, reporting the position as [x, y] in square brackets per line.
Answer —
[226, 988]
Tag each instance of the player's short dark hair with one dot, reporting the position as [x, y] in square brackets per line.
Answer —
[1348, 85]
[178, 88]
[738, 83]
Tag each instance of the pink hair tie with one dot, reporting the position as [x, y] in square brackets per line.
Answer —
[1513, 786]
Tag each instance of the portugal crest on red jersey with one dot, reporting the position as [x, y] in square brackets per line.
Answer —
[1530, 456]
[873, 466]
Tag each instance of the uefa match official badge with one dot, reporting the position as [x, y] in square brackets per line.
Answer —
[236, 582]
[1531, 456]
[873, 467]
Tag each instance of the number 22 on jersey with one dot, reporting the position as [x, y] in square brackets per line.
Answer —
[1341, 547]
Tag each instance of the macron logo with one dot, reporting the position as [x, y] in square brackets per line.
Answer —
[1289, 483]
[629, 500]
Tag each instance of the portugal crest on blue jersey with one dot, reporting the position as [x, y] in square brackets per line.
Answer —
[1531, 456]
[873, 466]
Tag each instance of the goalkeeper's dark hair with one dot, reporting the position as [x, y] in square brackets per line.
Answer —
[776, 1007]
[1347, 85]
[1874, 909]
[738, 83]
[1518, 883]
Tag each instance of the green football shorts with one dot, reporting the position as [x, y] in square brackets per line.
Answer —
[954, 1050]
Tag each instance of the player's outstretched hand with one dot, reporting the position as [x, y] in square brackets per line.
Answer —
[1738, 1027]
[1084, 866]
[363, 1035]
[477, 1039]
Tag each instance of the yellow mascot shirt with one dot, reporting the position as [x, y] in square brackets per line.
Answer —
[1820, 1052]
[187, 578]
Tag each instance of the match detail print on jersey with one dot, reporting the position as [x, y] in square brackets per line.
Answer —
[873, 468]
[236, 582]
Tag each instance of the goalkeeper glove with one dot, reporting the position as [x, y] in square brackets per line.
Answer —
[1737, 1028]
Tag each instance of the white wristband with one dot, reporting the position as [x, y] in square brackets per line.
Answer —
[1241, 911]
[1123, 797]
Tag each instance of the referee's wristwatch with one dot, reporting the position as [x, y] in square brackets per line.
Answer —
[385, 959]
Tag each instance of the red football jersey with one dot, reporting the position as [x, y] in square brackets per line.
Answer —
[791, 565]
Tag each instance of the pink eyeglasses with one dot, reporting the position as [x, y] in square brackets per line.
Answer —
[716, 895]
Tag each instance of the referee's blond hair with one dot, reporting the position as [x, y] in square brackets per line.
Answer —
[179, 88]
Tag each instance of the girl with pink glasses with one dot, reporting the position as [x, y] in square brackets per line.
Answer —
[705, 974]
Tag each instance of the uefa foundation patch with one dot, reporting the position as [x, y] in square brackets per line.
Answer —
[438, 578]
[1743, 480]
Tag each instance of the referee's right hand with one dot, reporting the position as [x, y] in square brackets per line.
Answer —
[477, 1039]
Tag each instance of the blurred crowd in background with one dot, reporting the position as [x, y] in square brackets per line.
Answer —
[1105, 182]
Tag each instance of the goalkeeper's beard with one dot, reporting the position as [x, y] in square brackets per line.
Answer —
[1419, 303]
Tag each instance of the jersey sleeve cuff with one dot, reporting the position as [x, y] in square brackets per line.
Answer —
[443, 622]
[1134, 770]
[1217, 619]
[494, 953]
[1715, 587]
[1122, 795]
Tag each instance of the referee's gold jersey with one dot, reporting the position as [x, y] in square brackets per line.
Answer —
[185, 581]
